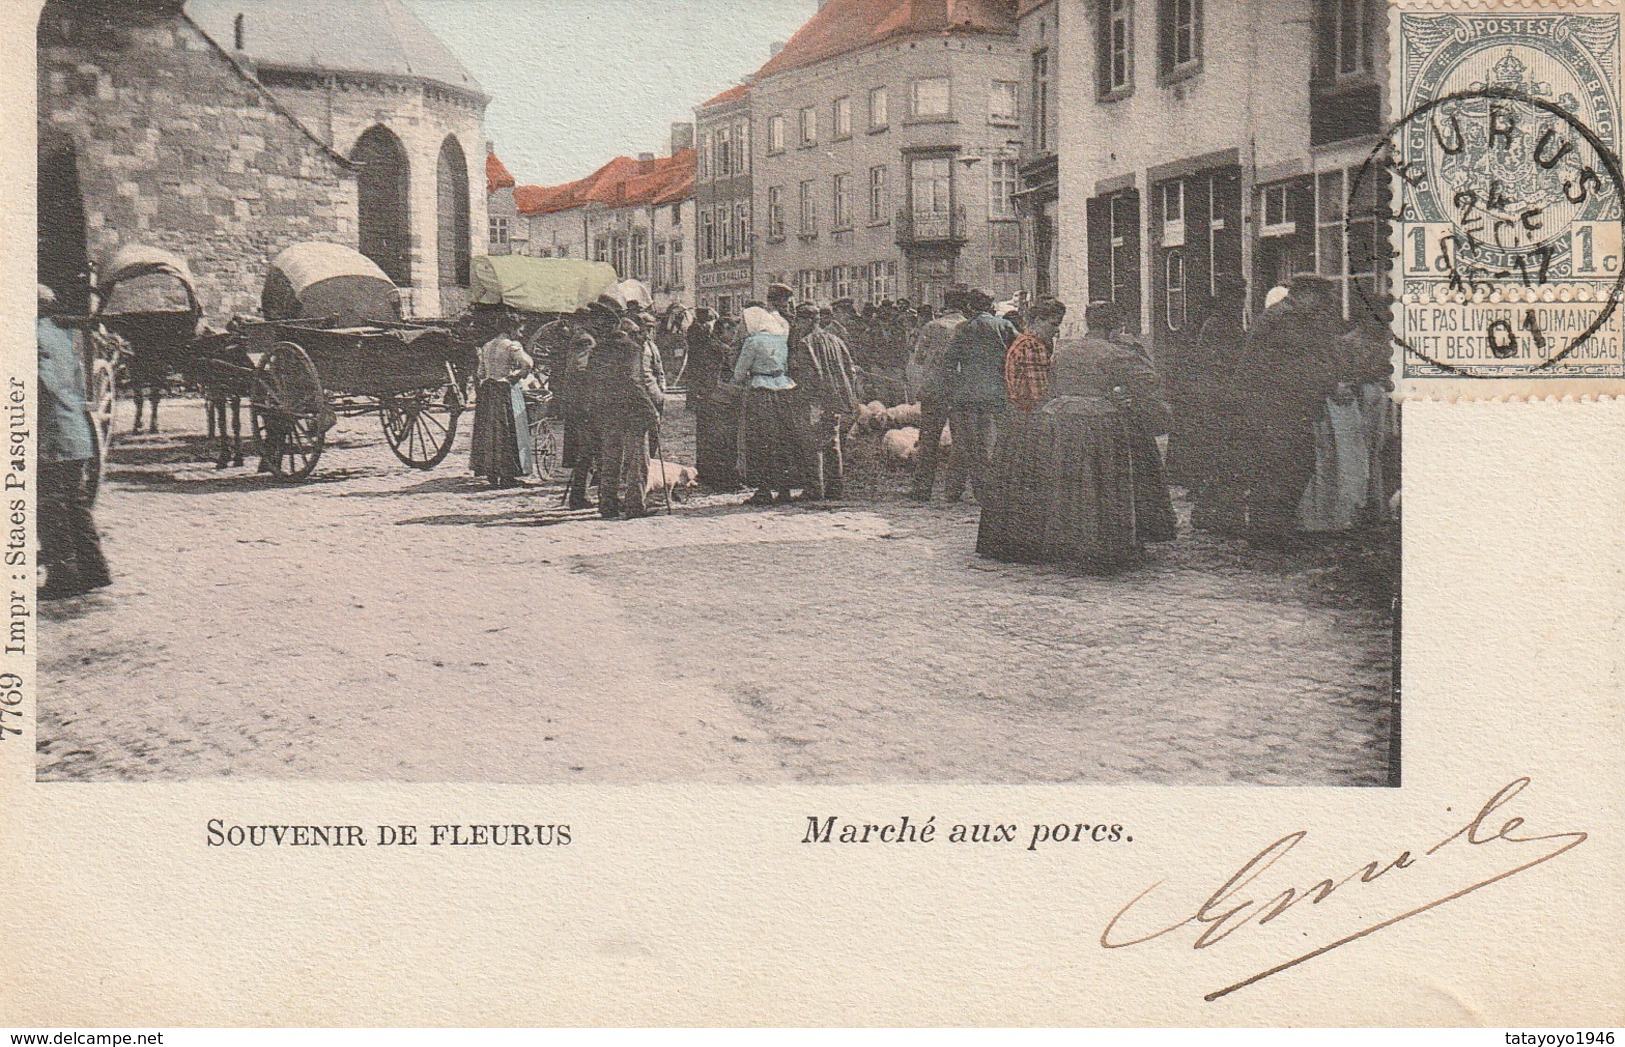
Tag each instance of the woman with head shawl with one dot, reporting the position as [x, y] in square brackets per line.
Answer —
[501, 444]
[773, 433]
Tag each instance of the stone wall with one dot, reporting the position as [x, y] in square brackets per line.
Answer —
[178, 149]
[341, 108]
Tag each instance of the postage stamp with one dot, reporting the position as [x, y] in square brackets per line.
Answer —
[1503, 169]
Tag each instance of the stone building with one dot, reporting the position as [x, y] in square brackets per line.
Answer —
[151, 133]
[506, 231]
[887, 137]
[724, 244]
[1198, 140]
[373, 84]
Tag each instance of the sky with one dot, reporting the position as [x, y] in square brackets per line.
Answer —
[576, 82]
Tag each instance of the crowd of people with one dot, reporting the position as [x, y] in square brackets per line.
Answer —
[1276, 429]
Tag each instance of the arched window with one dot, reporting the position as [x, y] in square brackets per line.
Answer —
[451, 188]
[384, 213]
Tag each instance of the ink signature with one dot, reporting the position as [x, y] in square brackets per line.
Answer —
[1233, 906]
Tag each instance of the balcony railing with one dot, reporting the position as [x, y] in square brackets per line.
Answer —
[916, 228]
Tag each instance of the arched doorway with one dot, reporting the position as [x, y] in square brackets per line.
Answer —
[384, 212]
[63, 260]
[452, 239]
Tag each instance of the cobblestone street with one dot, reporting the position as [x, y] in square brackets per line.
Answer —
[378, 623]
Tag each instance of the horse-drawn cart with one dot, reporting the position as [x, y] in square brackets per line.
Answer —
[332, 343]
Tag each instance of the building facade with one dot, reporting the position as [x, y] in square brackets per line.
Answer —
[150, 133]
[1038, 201]
[374, 85]
[1199, 140]
[886, 141]
[636, 214]
[724, 211]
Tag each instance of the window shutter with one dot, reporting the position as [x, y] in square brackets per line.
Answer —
[1128, 299]
[1100, 249]
[1165, 36]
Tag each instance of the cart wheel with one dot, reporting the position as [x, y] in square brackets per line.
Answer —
[291, 416]
[421, 426]
[544, 445]
[103, 394]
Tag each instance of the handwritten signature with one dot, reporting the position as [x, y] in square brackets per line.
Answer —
[1234, 906]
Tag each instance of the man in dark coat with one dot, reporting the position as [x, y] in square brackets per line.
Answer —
[974, 378]
[821, 366]
[716, 413]
[1209, 413]
[626, 402]
[1288, 368]
[575, 390]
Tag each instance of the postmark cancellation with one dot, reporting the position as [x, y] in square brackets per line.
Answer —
[1505, 195]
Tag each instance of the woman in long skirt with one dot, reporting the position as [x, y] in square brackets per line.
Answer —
[774, 440]
[501, 445]
[1011, 526]
[1105, 493]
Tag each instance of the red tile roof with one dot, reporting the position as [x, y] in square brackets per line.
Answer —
[732, 94]
[844, 26]
[496, 174]
[623, 182]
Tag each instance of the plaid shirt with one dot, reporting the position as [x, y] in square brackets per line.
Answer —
[1026, 371]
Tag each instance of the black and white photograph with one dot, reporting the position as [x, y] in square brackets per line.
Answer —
[796, 392]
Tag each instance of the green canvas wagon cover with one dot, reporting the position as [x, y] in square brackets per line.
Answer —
[538, 285]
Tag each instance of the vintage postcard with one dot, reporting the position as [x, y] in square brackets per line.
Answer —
[813, 512]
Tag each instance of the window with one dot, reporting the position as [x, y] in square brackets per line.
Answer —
[600, 249]
[809, 210]
[1173, 213]
[932, 188]
[775, 134]
[676, 216]
[640, 255]
[742, 223]
[562, 251]
[1278, 211]
[722, 154]
[840, 282]
[618, 257]
[677, 261]
[879, 194]
[843, 117]
[775, 213]
[809, 126]
[1351, 237]
[1173, 313]
[662, 268]
[741, 144]
[1115, 60]
[702, 162]
[807, 285]
[1002, 195]
[1004, 102]
[930, 97]
[708, 236]
[882, 280]
[727, 246]
[1006, 265]
[1179, 37]
[1352, 37]
[841, 200]
[878, 117]
[1041, 91]
[499, 231]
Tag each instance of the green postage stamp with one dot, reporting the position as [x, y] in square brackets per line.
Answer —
[1505, 198]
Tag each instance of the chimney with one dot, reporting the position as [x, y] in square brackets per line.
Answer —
[645, 161]
[490, 147]
[774, 48]
[682, 136]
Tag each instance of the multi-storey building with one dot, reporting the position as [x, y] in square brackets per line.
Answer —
[636, 214]
[1198, 140]
[724, 245]
[886, 141]
[1039, 26]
